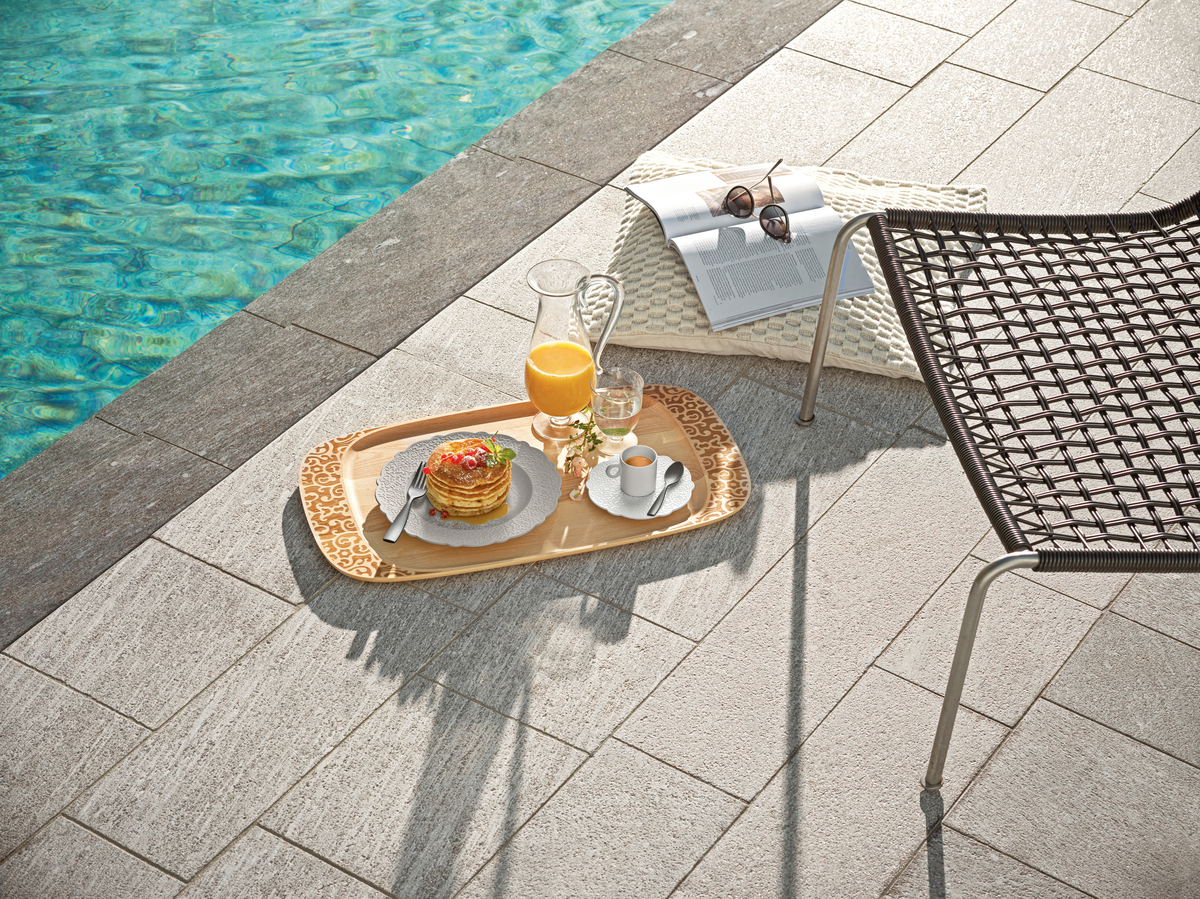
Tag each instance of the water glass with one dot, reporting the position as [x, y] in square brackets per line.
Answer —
[616, 405]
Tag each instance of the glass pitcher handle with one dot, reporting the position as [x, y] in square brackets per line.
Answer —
[614, 314]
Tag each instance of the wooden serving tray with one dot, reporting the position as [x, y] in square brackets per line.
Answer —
[337, 489]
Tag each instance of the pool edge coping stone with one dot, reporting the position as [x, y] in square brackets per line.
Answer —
[79, 507]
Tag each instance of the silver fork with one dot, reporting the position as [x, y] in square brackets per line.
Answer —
[416, 490]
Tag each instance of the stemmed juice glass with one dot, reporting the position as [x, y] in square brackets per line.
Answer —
[560, 365]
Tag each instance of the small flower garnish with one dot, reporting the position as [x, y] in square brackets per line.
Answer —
[580, 453]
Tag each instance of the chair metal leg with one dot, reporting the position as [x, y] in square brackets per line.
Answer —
[962, 658]
[828, 301]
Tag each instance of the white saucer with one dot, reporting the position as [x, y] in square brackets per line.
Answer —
[605, 491]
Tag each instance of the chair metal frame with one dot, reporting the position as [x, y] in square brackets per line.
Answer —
[1062, 354]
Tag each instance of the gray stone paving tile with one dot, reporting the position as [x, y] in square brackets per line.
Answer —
[847, 811]
[1172, 29]
[404, 264]
[892, 404]
[930, 421]
[687, 581]
[1024, 636]
[1036, 42]
[395, 321]
[791, 649]
[962, 16]
[190, 789]
[151, 632]
[561, 661]
[631, 104]
[1124, 7]
[1138, 682]
[1097, 590]
[816, 108]
[723, 38]
[953, 866]
[909, 141]
[1089, 806]
[1165, 602]
[423, 794]
[253, 525]
[621, 180]
[236, 388]
[65, 861]
[1180, 177]
[483, 343]
[475, 590]
[586, 234]
[260, 864]
[624, 825]
[53, 744]
[84, 502]
[1096, 141]
[1142, 203]
[877, 42]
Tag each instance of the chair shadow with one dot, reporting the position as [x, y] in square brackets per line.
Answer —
[791, 863]
[789, 886]
[935, 860]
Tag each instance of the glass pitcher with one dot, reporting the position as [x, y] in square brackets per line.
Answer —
[560, 362]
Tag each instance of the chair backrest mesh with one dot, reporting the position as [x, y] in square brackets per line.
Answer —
[1063, 354]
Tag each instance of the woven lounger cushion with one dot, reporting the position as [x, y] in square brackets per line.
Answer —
[663, 311]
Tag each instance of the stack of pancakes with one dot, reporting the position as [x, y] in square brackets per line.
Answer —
[463, 491]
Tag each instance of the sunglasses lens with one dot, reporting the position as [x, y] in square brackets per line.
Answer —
[739, 202]
[775, 222]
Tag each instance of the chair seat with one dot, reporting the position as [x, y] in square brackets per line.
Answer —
[1063, 357]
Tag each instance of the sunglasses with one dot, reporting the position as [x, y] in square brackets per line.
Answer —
[739, 202]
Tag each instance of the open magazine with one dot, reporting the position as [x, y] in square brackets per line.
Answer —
[741, 273]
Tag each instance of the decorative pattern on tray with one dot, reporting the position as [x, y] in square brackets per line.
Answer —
[340, 537]
[329, 516]
[728, 480]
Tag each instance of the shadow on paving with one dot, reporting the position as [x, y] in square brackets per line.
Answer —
[451, 805]
[935, 859]
[506, 661]
[791, 837]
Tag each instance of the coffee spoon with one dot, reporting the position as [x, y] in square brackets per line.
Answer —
[670, 479]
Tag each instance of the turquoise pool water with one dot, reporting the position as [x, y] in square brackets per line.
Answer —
[164, 162]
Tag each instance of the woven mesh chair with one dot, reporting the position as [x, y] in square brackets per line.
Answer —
[1063, 357]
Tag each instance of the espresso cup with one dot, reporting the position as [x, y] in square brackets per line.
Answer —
[638, 470]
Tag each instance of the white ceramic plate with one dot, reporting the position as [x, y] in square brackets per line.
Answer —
[605, 491]
[536, 488]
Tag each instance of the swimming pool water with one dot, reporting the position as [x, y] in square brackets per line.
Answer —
[164, 162]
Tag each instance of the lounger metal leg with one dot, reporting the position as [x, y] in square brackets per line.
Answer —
[962, 658]
[828, 301]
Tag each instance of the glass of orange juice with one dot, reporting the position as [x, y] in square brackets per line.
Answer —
[560, 364]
